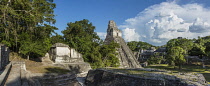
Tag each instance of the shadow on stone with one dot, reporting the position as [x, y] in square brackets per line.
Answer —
[14, 82]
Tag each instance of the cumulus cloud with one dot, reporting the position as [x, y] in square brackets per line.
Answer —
[159, 23]
[102, 35]
[199, 26]
[130, 34]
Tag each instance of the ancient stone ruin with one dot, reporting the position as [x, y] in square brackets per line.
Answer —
[62, 53]
[125, 55]
[142, 77]
[64, 56]
[4, 56]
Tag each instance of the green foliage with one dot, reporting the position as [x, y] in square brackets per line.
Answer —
[157, 58]
[207, 50]
[26, 25]
[34, 48]
[135, 46]
[81, 36]
[176, 56]
[108, 53]
[57, 39]
[197, 50]
[186, 44]
[192, 47]
[199, 47]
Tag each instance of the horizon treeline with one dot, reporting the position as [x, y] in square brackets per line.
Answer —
[176, 50]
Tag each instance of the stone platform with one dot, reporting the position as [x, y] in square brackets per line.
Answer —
[142, 77]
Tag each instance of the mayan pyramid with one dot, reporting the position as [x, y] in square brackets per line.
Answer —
[125, 55]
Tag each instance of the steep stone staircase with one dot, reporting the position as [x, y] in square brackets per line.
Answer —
[127, 57]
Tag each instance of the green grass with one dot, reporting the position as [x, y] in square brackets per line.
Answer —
[48, 69]
[185, 68]
[38, 67]
[128, 71]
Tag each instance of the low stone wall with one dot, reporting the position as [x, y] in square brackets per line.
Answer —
[142, 77]
[4, 75]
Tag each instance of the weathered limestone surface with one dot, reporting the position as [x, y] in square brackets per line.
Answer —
[62, 53]
[14, 78]
[142, 77]
[64, 56]
[125, 55]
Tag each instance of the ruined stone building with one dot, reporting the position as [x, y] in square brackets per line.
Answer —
[146, 54]
[125, 55]
[4, 56]
[64, 56]
[62, 53]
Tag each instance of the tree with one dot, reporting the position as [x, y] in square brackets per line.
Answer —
[32, 18]
[207, 50]
[109, 54]
[81, 36]
[186, 44]
[198, 48]
[57, 39]
[136, 46]
[33, 48]
[175, 56]
[157, 58]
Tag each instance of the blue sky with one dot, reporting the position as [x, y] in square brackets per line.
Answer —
[138, 18]
[99, 12]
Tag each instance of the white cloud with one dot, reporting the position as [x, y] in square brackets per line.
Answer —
[102, 35]
[159, 23]
[199, 26]
[130, 34]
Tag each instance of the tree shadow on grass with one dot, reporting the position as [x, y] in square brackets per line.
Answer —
[57, 70]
